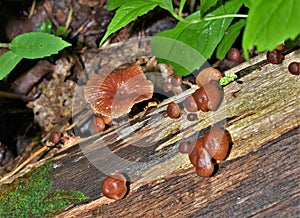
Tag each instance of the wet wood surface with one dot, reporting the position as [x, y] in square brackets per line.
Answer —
[260, 177]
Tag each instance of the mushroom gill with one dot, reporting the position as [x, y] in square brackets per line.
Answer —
[113, 94]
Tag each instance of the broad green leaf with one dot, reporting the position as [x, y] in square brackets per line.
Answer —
[229, 38]
[7, 62]
[127, 13]
[45, 27]
[114, 4]
[248, 3]
[167, 5]
[205, 5]
[37, 45]
[269, 23]
[203, 36]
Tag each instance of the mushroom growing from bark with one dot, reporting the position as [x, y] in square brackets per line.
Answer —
[207, 75]
[113, 94]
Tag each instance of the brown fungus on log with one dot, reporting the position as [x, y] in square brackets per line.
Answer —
[114, 186]
[190, 104]
[113, 94]
[173, 110]
[294, 68]
[209, 96]
[205, 167]
[274, 57]
[217, 143]
[207, 75]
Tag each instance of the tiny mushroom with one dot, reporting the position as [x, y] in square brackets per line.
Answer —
[294, 68]
[190, 104]
[114, 186]
[205, 167]
[173, 110]
[113, 94]
[209, 96]
[185, 147]
[274, 57]
[233, 54]
[55, 137]
[216, 143]
[207, 75]
[176, 80]
[100, 124]
[198, 147]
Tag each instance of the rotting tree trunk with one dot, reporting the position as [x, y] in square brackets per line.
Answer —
[260, 177]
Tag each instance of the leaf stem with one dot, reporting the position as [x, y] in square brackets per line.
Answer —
[217, 17]
[176, 16]
[225, 16]
[182, 3]
[4, 45]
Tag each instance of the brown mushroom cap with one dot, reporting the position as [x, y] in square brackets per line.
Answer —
[197, 151]
[114, 186]
[113, 94]
[209, 96]
[207, 75]
[205, 167]
[216, 143]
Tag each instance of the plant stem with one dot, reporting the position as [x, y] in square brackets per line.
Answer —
[217, 17]
[182, 3]
[225, 16]
[4, 45]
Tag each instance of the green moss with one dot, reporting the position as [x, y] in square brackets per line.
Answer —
[30, 195]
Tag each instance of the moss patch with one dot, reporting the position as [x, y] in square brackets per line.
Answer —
[31, 195]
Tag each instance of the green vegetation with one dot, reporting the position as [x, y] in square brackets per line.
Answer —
[29, 45]
[31, 196]
[211, 29]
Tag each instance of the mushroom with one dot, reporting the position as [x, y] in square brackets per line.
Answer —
[207, 75]
[196, 151]
[205, 167]
[209, 96]
[190, 104]
[216, 143]
[173, 110]
[113, 94]
[114, 186]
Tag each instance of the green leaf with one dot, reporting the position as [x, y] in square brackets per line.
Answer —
[127, 13]
[203, 36]
[180, 55]
[167, 5]
[37, 45]
[229, 38]
[269, 23]
[205, 5]
[7, 62]
[248, 3]
[45, 27]
[114, 4]
[62, 31]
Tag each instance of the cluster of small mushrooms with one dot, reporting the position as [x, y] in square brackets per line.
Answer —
[204, 152]
[215, 145]
[207, 97]
[276, 57]
[112, 95]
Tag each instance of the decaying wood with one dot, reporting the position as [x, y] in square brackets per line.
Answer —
[260, 177]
